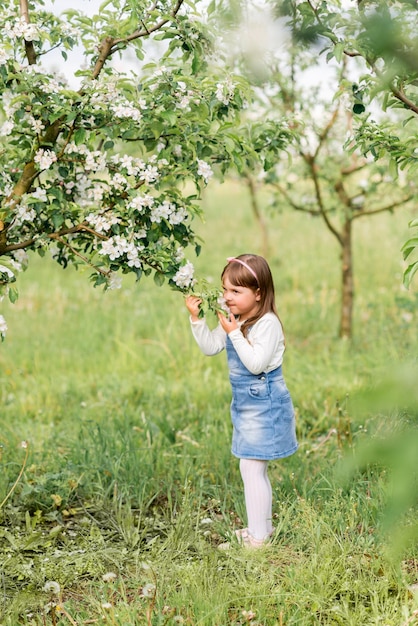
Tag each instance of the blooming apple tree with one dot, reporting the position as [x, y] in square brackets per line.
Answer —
[109, 173]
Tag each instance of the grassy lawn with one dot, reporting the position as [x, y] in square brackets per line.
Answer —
[128, 483]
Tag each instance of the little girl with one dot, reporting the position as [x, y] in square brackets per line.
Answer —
[261, 409]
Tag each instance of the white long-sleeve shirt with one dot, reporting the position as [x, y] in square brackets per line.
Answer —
[261, 351]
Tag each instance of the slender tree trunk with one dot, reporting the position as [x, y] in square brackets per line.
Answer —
[347, 287]
[265, 245]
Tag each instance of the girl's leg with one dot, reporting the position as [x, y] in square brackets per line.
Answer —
[258, 497]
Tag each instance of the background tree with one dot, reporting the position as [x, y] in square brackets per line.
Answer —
[328, 176]
[98, 174]
[382, 38]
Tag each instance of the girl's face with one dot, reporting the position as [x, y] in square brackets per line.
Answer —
[241, 301]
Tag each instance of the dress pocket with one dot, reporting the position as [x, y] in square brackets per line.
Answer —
[259, 389]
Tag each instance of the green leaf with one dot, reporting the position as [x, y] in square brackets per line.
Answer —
[196, 63]
[13, 294]
[409, 246]
[339, 51]
[170, 116]
[57, 220]
[159, 278]
[80, 136]
[409, 274]
[393, 168]
[358, 108]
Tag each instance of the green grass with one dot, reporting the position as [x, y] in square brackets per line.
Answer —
[129, 469]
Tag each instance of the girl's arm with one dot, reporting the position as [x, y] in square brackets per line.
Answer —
[211, 342]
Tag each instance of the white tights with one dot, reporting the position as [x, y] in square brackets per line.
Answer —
[258, 497]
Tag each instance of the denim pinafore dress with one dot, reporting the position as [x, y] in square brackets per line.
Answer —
[262, 412]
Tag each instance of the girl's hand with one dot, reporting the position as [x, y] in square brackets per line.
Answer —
[193, 305]
[228, 323]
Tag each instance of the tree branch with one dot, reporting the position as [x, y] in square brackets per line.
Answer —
[322, 136]
[310, 161]
[147, 31]
[109, 45]
[388, 207]
[296, 207]
[64, 231]
[29, 47]
[352, 169]
[81, 256]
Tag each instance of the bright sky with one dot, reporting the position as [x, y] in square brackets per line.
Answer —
[260, 35]
[87, 6]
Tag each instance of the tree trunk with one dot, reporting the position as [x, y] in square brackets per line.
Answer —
[265, 245]
[347, 287]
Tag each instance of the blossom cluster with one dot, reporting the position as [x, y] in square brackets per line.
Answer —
[225, 91]
[21, 29]
[117, 246]
[184, 278]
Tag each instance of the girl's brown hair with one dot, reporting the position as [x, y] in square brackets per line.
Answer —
[241, 276]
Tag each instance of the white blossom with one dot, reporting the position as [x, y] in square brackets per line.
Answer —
[129, 164]
[179, 256]
[162, 211]
[39, 194]
[222, 304]
[21, 28]
[51, 586]
[24, 214]
[184, 277]
[117, 246]
[114, 282]
[45, 158]
[132, 255]
[119, 182]
[150, 174]
[225, 91]
[3, 326]
[109, 577]
[160, 71]
[139, 202]
[148, 590]
[7, 128]
[178, 216]
[127, 110]
[16, 266]
[114, 247]
[102, 222]
[6, 270]
[204, 169]
[4, 57]
[97, 192]
[95, 160]
[21, 257]
[37, 125]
